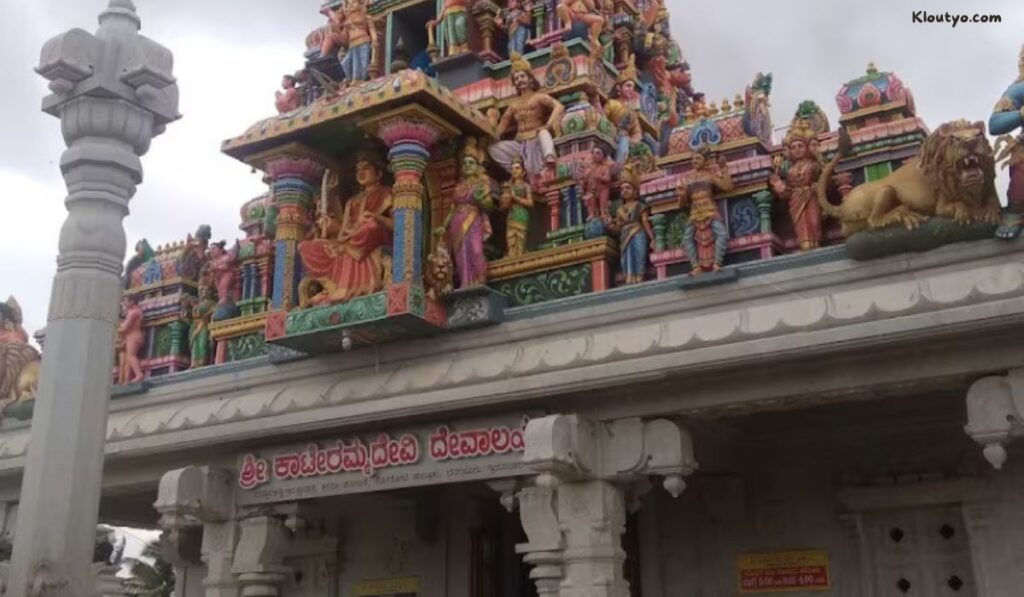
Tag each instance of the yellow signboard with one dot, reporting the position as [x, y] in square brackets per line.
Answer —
[389, 587]
[783, 572]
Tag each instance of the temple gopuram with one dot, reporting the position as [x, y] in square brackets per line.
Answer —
[524, 311]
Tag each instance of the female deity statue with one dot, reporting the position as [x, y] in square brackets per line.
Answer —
[131, 339]
[199, 332]
[352, 256]
[467, 224]
[517, 199]
[1007, 117]
[517, 23]
[794, 181]
[223, 273]
[705, 237]
[597, 184]
[623, 110]
[632, 224]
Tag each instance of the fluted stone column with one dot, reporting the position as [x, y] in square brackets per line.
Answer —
[113, 92]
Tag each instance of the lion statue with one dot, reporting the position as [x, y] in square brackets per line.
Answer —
[439, 271]
[19, 361]
[954, 176]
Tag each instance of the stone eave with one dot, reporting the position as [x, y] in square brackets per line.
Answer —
[355, 105]
[784, 316]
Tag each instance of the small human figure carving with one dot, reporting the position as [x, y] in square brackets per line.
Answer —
[223, 273]
[633, 225]
[586, 12]
[515, 20]
[517, 199]
[362, 38]
[288, 98]
[454, 19]
[335, 37]
[130, 341]
[705, 237]
[199, 331]
[597, 183]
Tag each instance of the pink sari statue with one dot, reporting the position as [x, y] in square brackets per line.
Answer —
[468, 225]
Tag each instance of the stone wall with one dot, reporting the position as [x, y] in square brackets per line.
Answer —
[817, 486]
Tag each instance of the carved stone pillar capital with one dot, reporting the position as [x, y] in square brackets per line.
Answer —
[259, 557]
[569, 447]
[113, 91]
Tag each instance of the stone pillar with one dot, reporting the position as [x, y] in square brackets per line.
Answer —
[295, 180]
[259, 558]
[409, 142]
[576, 515]
[554, 201]
[195, 506]
[113, 93]
[593, 516]
[544, 546]
[763, 201]
[217, 552]
[484, 12]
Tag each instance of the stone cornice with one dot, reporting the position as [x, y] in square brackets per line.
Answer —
[791, 314]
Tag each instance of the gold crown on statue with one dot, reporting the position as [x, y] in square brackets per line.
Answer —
[800, 130]
[520, 64]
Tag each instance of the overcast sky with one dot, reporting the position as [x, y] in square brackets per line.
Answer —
[229, 57]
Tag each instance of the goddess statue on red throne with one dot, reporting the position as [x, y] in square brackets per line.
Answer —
[352, 254]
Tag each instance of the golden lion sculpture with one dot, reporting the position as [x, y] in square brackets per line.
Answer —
[19, 361]
[954, 176]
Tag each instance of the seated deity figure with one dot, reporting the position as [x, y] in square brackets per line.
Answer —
[352, 256]
[536, 117]
[288, 98]
[361, 37]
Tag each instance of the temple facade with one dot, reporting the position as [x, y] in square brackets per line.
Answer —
[523, 313]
